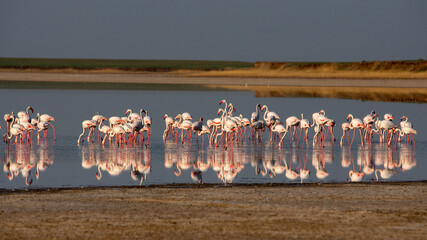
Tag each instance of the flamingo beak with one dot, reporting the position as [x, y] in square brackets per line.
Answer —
[221, 102]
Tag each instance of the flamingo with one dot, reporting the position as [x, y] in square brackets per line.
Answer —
[280, 129]
[319, 120]
[304, 124]
[269, 118]
[293, 121]
[356, 123]
[186, 116]
[389, 127]
[405, 123]
[9, 119]
[47, 118]
[255, 115]
[184, 126]
[258, 126]
[99, 119]
[117, 131]
[28, 129]
[25, 116]
[407, 131]
[114, 121]
[205, 130]
[42, 126]
[345, 128]
[316, 115]
[369, 120]
[169, 124]
[197, 127]
[331, 124]
[132, 116]
[14, 132]
[87, 124]
[147, 123]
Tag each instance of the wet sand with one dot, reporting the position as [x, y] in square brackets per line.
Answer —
[279, 211]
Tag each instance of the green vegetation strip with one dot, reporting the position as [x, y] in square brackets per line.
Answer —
[131, 65]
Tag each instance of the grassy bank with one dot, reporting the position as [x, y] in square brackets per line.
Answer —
[412, 69]
[122, 65]
[354, 70]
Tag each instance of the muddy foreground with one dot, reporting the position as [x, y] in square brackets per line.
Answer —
[321, 211]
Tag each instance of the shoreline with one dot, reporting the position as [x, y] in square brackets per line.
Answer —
[212, 186]
[172, 78]
[338, 211]
[394, 90]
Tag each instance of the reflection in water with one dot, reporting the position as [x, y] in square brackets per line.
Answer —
[320, 157]
[378, 159]
[270, 162]
[23, 160]
[117, 160]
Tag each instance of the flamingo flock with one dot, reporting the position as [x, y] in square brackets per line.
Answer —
[226, 129]
[125, 130]
[22, 126]
[230, 129]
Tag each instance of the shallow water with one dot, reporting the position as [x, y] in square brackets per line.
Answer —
[64, 164]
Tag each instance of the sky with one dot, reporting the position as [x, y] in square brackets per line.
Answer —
[240, 30]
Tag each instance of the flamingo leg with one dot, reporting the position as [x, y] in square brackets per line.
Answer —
[354, 133]
[54, 135]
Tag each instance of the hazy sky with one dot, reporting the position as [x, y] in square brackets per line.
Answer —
[243, 30]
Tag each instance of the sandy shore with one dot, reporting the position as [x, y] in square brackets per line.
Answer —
[395, 90]
[175, 78]
[308, 211]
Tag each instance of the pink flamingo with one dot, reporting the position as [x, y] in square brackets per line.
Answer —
[293, 121]
[369, 121]
[47, 118]
[280, 129]
[169, 124]
[345, 128]
[87, 124]
[304, 124]
[14, 132]
[356, 123]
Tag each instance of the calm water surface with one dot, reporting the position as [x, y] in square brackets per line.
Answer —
[64, 164]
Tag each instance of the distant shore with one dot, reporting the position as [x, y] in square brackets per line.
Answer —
[398, 90]
[399, 81]
[277, 211]
[408, 69]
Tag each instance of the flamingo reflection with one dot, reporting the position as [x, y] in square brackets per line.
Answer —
[319, 162]
[356, 176]
[117, 160]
